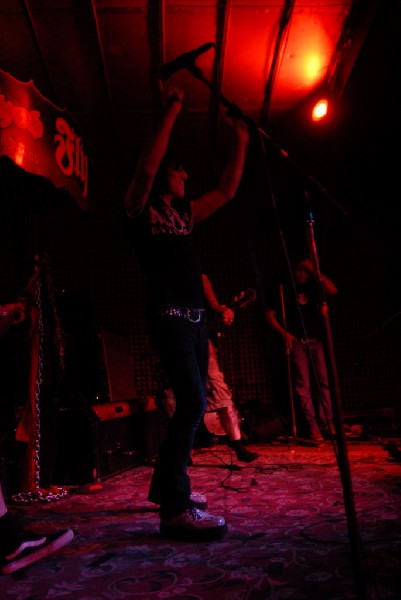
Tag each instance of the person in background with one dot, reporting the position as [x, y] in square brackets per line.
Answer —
[219, 396]
[161, 221]
[293, 310]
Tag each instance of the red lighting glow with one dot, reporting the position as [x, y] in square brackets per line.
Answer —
[306, 56]
[320, 109]
[312, 68]
[19, 154]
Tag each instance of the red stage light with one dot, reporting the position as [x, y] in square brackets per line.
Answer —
[320, 109]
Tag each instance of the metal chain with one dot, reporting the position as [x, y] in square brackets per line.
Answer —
[38, 495]
[58, 332]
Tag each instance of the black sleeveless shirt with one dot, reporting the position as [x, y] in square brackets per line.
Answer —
[162, 238]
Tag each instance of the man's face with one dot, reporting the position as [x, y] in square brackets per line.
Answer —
[303, 271]
[176, 176]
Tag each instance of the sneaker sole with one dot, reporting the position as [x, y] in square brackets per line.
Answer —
[54, 544]
[194, 503]
[200, 505]
[208, 534]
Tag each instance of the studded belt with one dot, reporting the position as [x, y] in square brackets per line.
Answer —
[191, 314]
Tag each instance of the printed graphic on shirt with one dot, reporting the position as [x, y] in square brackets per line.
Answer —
[167, 220]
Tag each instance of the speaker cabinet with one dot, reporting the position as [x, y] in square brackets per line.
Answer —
[96, 442]
[115, 443]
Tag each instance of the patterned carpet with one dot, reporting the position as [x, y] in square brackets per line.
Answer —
[289, 535]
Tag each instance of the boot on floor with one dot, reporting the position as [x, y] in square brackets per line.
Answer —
[242, 453]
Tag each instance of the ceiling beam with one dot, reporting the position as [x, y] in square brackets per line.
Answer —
[32, 28]
[102, 61]
[285, 20]
[355, 29]
[223, 14]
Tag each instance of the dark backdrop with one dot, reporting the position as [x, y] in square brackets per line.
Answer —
[344, 174]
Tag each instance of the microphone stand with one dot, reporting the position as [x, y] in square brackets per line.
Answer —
[342, 453]
[236, 112]
[342, 458]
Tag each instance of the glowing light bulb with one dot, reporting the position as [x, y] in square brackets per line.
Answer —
[320, 109]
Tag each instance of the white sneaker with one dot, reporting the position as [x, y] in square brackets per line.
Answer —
[33, 548]
[194, 525]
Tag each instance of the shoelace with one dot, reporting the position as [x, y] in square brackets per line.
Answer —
[195, 513]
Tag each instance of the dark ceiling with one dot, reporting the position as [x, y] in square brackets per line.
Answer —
[100, 59]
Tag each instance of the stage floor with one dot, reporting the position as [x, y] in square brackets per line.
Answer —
[291, 535]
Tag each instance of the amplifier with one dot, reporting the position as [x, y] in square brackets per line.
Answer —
[114, 438]
[112, 410]
[96, 442]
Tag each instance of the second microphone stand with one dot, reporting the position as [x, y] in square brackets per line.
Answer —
[342, 452]
[343, 463]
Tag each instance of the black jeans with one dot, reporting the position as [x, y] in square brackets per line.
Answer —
[183, 350]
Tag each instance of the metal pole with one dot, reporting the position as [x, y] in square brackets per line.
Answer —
[342, 451]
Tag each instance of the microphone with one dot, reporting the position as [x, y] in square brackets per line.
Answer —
[184, 61]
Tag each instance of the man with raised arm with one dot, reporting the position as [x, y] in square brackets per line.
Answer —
[162, 221]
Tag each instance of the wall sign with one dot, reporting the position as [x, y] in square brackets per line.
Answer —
[42, 138]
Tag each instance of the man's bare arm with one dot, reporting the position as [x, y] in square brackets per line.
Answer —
[149, 161]
[227, 187]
